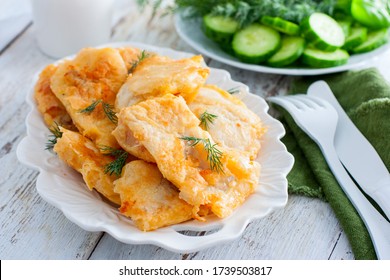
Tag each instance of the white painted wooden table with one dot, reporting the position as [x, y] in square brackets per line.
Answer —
[32, 229]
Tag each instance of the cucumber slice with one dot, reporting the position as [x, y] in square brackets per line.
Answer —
[357, 36]
[219, 28]
[256, 43]
[321, 59]
[345, 25]
[323, 32]
[281, 25]
[371, 13]
[291, 49]
[375, 39]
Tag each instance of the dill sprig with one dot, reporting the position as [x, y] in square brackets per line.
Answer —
[206, 119]
[116, 166]
[234, 90]
[249, 11]
[92, 107]
[141, 57]
[55, 134]
[213, 154]
[107, 108]
[110, 113]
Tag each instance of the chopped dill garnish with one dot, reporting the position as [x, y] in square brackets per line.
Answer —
[107, 108]
[206, 119]
[116, 166]
[91, 107]
[110, 113]
[141, 57]
[55, 134]
[213, 154]
[234, 90]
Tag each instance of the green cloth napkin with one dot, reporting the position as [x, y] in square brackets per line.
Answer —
[365, 96]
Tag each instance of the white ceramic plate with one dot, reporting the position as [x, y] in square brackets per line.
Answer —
[189, 29]
[64, 188]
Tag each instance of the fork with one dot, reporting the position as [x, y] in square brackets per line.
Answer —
[318, 119]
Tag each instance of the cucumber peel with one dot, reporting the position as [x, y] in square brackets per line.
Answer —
[256, 43]
[291, 49]
[322, 59]
[283, 26]
[323, 32]
[375, 39]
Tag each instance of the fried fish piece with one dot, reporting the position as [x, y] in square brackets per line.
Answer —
[82, 155]
[158, 75]
[49, 106]
[232, 125]
[94, 75]
[149, 199]
[129, 55]
[124, 136]
[160, 125]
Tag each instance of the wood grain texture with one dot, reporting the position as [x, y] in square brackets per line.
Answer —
[30, 227]
[304, 229]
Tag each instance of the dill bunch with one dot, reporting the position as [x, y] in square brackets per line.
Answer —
[249, 11]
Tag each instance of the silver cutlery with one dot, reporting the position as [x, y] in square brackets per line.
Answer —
[356, 153]
[318, 119]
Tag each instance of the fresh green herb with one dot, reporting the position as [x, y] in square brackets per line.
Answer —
[249, 11]
[213, 154]
[107, 108]
[55, 134]
[206, 119]
[246, 11]
[116, 166]
[234, 90]
[141, 57]
[110, 113]
[91, 107]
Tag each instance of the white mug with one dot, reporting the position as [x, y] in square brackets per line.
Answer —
[63, 27]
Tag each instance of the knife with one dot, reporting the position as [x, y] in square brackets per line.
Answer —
[356, 153]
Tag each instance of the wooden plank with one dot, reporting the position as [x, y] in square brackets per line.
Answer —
[342, 249]
[146, 28]
[30, 228]
[14, 7]
[305, 229]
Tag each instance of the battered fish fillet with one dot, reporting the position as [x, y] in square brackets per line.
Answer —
[159, 124]
[94, 74]
[129, 56]
[159, 75]
[148, 199]
[130, 144]
[235, 126]
[49, 106]
[82, 155]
